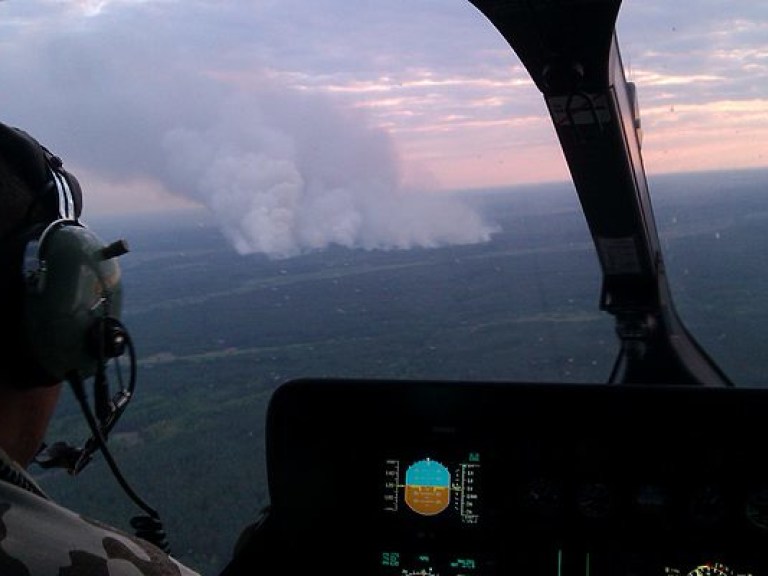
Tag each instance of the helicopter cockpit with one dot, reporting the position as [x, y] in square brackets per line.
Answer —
[655, 473]
[484, 452]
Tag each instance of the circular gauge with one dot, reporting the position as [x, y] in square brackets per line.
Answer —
[711, 569]
[707, 505]
[543, 497]
[595, 500]
[756, 508]
[650, 500]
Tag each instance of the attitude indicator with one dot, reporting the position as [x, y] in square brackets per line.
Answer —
[431, 487]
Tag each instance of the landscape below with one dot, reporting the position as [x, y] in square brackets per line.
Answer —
[217, 332]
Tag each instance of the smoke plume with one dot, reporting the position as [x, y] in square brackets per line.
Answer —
[198, 112]
[286, 172]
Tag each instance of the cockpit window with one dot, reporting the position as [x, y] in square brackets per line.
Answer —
[365, 189]
[704, 111]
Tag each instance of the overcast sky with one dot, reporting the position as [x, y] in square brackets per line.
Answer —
[137, 94]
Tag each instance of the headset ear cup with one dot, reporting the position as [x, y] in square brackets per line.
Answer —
[76, 287]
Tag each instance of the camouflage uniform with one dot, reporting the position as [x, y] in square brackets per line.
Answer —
[40, 538]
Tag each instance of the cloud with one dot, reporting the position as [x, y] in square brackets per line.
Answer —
[701, 77]
[648, 78]
[283, 170]
[286, 172]
[684, 136]
[434, 74]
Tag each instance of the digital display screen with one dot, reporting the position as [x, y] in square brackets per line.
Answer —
[433, 487]
[445, 479]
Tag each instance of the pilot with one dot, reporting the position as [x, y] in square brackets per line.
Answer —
[38, 536]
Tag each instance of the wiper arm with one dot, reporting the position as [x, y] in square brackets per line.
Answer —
[569, 48]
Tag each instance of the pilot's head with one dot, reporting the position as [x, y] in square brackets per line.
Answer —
[34, 192]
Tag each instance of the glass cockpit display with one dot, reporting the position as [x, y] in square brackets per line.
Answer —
[433, 487]
[556, 480]
[431, 496]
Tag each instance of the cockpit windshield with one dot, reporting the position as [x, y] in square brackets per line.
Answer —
[704, 114]
[368, 190]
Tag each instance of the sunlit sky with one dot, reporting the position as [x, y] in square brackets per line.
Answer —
[104, 83]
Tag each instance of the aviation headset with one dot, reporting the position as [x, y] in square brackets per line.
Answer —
[60, 289]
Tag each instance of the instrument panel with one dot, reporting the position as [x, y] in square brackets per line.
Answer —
[475, 479]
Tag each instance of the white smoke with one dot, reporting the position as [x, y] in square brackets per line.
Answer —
[286, 172]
